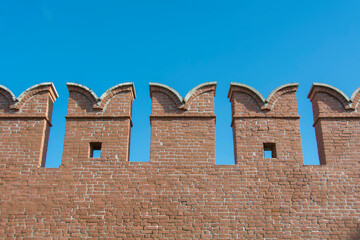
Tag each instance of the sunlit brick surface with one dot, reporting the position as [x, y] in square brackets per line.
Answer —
[180, 193]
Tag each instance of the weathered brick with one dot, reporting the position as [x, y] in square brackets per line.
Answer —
[180, 193]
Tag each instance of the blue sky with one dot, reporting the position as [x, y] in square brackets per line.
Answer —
[181, 44]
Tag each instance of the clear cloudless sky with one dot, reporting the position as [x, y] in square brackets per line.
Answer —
[181, 44]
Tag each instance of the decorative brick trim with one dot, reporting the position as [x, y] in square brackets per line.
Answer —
[348, 103]
[100, 102]
[17, 102]
[180, 102]
[265, 104]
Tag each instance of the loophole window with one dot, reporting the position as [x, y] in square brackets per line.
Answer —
[95, 149]
[269, 150]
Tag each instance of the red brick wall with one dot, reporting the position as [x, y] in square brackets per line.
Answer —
[337, 125]
[182, 134]
[91, 119]
[257, 121]
[180, 193]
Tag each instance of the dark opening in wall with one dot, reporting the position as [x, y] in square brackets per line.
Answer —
[95, 149]
[269, 150]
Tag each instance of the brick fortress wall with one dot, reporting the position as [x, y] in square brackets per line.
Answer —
[180, 193]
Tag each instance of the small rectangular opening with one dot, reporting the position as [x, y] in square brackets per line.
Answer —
[269, 150]
[95, 149]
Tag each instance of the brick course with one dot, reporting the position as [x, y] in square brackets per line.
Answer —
[180, 193]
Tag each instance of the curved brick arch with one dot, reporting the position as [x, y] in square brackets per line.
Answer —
[31, 91]
[277, 92]
[9, 96]
[87, 92]
[356, 95]
[197, 91]
[16, 103]
[264, 104]
[334, 92]
[111, 92]
[180, 102]
[169, 91]
[252, 92]
[100, 102]
[355, 98]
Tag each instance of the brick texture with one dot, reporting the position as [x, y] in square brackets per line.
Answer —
[180, 193]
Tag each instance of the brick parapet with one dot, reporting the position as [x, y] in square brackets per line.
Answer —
[248, 102]
[104, 120]
[198, 102]
[336, 122]
[184, 126]
[259, 123]
[331, 102]
[27, 115]
[36, 102]
[115, 102]
[181, 193]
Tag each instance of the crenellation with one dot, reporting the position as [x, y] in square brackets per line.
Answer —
[106, 120]
[257, 122]
[180, 193]
[336, 123]
[182, 125]
[27, 115]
